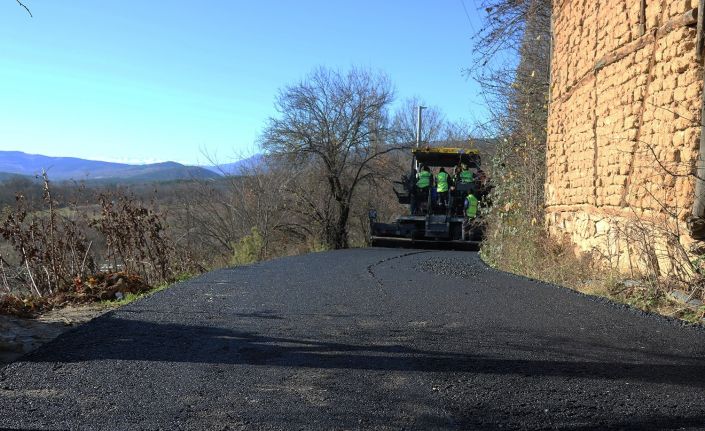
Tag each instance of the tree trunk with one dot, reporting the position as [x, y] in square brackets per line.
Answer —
[337, 232]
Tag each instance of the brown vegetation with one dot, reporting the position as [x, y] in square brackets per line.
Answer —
[518, 98]
[57, 254]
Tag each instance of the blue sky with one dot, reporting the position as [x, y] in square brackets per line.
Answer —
[140, 81]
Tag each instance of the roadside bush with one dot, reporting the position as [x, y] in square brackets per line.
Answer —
[249, 249]
[50, 249]
[48, 259]
[517, 243]
[135, 237]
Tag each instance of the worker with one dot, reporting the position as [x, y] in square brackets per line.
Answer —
[456, 173]
[470, 206]
[465, 176]
[424, 180]
[442, 186]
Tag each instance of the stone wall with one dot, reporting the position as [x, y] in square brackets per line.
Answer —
[624, 120]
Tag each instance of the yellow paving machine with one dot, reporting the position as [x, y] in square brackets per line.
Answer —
[436, 219]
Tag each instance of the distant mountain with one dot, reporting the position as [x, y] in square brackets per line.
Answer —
[71, 168]
[239, 167]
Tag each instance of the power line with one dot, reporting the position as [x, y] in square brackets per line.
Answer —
[467, 15]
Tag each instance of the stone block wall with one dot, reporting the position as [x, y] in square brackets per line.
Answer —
[624, 119]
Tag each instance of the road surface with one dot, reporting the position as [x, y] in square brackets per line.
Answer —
[363, 339]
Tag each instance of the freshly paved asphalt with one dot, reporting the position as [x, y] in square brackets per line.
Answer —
[363, 339]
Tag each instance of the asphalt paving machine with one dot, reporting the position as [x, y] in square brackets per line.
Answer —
[431, 222]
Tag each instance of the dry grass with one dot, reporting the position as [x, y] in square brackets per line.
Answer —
[520, 246]
[515, 244]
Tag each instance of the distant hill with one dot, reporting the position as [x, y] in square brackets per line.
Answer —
[239, 167]
[71, 168]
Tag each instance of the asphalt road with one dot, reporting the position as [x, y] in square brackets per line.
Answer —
[363, 339]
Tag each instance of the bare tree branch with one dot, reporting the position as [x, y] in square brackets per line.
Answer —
[331, 125]
[25, 8]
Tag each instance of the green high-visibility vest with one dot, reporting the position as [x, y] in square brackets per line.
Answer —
[442, 182]
[471, 210]
[424, 179]
[465, 176]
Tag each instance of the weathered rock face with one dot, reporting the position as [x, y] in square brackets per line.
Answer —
[624, 121]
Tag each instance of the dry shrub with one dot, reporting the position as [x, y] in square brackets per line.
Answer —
[105, 285]
[135, 237]
[51, 262]
[50, 249]
[659, 264]
[515, 239]
[518, 244]
[24, 306]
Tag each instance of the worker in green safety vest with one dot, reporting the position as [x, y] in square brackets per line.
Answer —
[442, 186]
[424, 180]
[465, 176]
[470, 207]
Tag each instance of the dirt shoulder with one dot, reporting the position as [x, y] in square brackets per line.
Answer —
[19, 336]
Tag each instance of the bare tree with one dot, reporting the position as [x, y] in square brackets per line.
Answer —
[404, 123]
[517, 94]
[215, 215]
[333, 125]
[25, 7]
[511, 63]
[506, 25]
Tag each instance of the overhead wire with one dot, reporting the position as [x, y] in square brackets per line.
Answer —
[467, 15]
